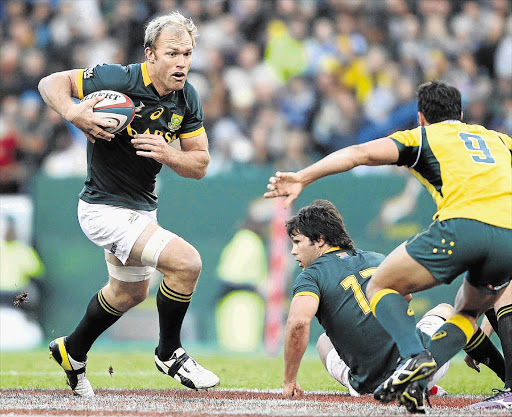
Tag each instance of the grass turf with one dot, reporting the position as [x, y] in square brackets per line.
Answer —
[136, 369]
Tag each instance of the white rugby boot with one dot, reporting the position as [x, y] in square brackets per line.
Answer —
[184, 369]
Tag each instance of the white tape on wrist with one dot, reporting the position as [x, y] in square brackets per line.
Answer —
[155, 245]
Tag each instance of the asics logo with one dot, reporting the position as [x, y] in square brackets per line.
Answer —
[439, 335]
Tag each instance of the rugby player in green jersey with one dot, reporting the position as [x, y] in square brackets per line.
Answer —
[355, 350]
[117, 207]
[467, 170]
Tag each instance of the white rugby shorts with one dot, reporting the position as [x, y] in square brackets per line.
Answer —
[114, 228]
[340, 371]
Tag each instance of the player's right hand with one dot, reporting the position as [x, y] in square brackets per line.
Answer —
[286, 184]
[292, 389]
[82, 116]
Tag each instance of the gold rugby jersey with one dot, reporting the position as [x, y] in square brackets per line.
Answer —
[466, 168]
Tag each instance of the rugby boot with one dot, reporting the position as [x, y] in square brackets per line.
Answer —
[75, 371]
[184, 369]
[501, 399]
[412, 398]
[409, 370]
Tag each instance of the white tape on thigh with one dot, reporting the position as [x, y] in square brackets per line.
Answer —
[155, 245]
[129, 273]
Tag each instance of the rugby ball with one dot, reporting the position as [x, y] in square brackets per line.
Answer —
[116, 107]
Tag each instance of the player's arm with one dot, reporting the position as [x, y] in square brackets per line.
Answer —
[381, 151]
[302, 310]
[191, 161]
[58, 90]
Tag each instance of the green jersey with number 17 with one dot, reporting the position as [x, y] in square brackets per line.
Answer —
[338, 279]
[116, 175]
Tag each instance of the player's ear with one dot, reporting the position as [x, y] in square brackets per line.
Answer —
[150, 55]
[421, 120]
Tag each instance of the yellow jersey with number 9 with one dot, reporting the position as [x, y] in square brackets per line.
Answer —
[466, 168]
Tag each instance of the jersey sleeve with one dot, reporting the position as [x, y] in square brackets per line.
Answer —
[506, 139]
[408, 143]
[193, 121]
[103, 77]
[306, 284]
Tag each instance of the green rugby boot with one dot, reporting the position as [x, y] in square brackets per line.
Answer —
[409, 370]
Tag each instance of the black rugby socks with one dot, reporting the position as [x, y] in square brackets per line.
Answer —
[504, 315]
[99, 316]
[172, 307]
[481, 349]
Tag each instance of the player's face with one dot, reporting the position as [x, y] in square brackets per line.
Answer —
[304, 250]
[171, 59]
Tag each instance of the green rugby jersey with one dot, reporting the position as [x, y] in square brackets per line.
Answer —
[339, 279]
[115, 174]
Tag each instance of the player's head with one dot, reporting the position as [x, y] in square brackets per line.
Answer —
[169, 41]
[438, 101]
[320, 219]
[174, 20]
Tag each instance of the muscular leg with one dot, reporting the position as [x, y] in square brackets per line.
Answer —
[181, 265]
[470, 303]
[324, 346]
[398, 275]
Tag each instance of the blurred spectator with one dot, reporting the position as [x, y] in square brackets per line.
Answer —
[297, 153]
[11, 171]
[297, 102]
[20, 291]
[20, 267]
[339, 70]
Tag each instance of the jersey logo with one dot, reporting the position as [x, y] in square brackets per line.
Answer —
[156, 114]
[175, 122]
[439, 335]
[88, 73]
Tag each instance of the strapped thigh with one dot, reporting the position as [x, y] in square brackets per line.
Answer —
[129, 273]
[155, 245]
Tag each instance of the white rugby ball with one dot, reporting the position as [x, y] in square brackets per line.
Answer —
[116, 107]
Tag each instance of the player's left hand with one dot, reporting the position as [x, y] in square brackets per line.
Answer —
[472, 363]
[288, 184]
[292, 389]
[151, 146]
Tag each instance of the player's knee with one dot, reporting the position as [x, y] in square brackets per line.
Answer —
[186, 268]
[443, 310]
[324, 346]
[125, 300]
[138, 297]
[321, 342]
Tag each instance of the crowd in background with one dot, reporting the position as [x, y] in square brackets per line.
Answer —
[282, 82]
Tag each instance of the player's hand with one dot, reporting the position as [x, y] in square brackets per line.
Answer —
[286, 184]
[292, 389]
[152, 146]
[472, 363]
[82, 116]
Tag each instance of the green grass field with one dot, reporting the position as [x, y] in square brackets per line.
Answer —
[135, 369]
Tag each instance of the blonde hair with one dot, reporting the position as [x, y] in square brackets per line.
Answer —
[158, 24]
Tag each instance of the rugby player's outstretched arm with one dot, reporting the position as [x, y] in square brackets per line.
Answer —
[381, 151]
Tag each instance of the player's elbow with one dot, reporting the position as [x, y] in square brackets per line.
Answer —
[297, 324]
[202, 169]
